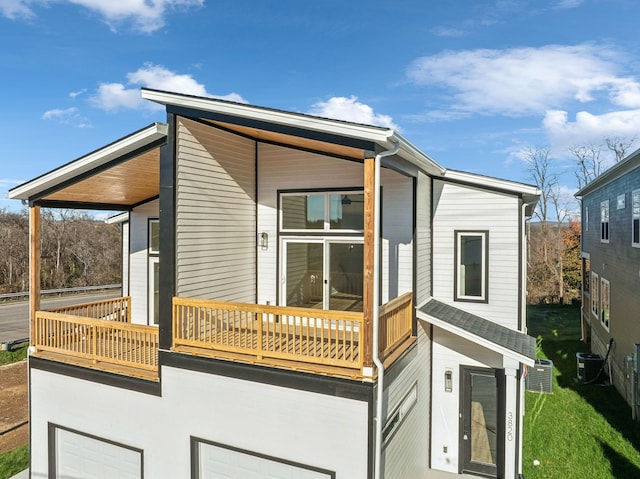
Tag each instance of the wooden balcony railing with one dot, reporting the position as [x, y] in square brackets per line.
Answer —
[109, 342]
[116, 309]
[396, 322]
[317, 336]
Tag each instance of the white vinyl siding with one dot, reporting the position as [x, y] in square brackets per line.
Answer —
[139, 258]
[423, 238]
[215, 214]
[466, 208]
[405, 453]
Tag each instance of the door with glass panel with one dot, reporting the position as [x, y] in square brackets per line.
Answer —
[480, 424]
[322, 249]
[322, 273]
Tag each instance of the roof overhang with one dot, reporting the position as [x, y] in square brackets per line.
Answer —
[504, 341]
[351, 140]
[117, 176]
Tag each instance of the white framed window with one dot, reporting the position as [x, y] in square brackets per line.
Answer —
[605, 296]
[586, 218]
[635, 218]
[604, 221]
[586, 275]
[470, 273]
[594, 294]
[335, 211]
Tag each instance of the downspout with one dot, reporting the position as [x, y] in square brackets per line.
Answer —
[376, 305]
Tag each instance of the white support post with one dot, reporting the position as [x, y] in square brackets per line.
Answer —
[512, 422]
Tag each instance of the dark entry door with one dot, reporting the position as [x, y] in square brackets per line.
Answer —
[480, 424]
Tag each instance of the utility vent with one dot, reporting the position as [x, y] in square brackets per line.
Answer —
[540, 377]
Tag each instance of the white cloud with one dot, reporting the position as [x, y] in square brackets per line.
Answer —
[524, 81]
[116, 96]
[15, 9]
[589, 128]
[350, 109]
[144, 15]
[75, 94]
[9, 182]
[69, 116]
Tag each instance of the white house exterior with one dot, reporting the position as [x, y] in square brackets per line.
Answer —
[302, 298]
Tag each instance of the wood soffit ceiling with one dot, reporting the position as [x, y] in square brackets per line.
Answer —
[291, 140]
[138, 179]
[127, 183]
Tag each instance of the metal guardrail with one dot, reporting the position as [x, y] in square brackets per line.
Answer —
[81, 289]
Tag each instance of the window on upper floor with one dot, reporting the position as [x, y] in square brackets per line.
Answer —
[604, 221]
[594, 294]
[471, 266]
[604, 303]
[322, 211]
[635, 218]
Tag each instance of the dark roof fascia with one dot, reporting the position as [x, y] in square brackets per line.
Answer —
[80, 205]
[272, 127]
[510, 339]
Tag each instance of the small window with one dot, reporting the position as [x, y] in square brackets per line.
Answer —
[604, 221]
[604, 303]
[471, 266]
[322, 211]
[586, 218]
[635, 222]
[594, 294]
[154, 237]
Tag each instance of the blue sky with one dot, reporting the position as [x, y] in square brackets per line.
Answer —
[473, 83]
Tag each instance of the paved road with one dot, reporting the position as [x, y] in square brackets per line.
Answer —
[14, 317]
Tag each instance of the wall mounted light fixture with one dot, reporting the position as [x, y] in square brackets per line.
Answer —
[264, 240]
[448, 380]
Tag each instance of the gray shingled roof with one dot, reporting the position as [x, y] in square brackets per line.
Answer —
[507, 338]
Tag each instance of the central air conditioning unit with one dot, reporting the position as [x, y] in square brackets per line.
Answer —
[540, 377]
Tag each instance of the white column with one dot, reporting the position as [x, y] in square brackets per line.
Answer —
[511, 421]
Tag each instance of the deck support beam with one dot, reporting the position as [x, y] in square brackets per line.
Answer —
[34, 266]
[367, 270]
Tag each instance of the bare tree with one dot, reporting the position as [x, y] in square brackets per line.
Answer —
[589, 163]
[619, 146]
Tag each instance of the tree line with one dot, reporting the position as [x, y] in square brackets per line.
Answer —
[77, 250]
[554, 263]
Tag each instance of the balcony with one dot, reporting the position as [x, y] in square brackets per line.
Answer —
[101, 336]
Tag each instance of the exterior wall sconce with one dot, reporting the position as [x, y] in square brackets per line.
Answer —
[264, 240]
[448, 380]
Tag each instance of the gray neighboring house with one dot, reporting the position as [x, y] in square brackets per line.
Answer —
[302, 297]
[611, 271]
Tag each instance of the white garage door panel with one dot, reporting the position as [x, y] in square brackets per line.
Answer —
[221, 463]
[83, 457]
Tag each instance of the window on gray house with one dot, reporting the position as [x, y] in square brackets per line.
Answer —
[604, 221]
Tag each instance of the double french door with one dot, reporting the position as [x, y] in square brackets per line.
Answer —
[322, 273]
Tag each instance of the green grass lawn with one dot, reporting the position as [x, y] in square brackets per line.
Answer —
[7, 357]
[578, 431]
[13, 462]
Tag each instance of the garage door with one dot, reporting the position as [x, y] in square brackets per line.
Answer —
[81, 456]
[220, 462]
